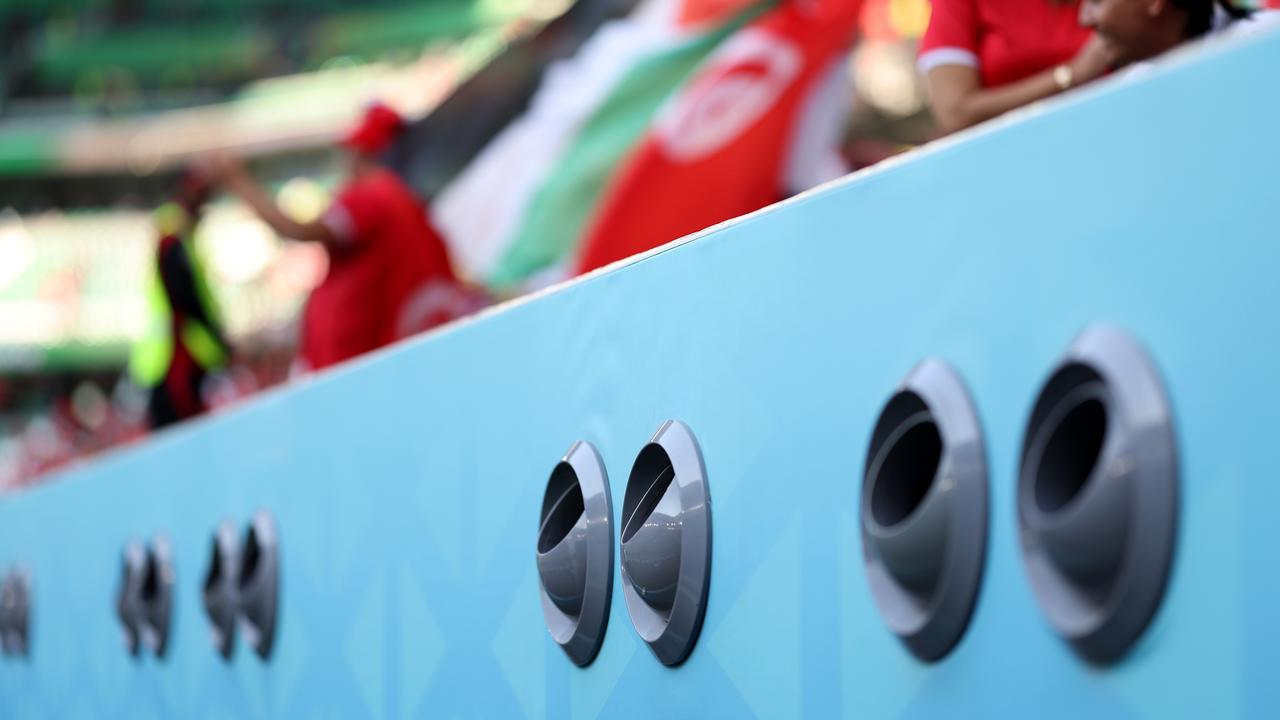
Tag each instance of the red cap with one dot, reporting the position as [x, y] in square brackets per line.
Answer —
[379, 126]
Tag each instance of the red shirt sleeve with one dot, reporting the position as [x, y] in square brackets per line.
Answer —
[355, 215]
[952, 36]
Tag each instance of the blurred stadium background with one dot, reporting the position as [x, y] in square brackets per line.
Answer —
[102, 101]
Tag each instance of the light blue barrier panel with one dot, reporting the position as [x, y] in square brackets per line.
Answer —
[407, 487]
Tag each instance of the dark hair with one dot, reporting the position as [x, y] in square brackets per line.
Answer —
[1200, 14]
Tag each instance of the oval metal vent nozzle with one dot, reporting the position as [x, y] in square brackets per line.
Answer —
[666, 543]
[157, 596]
[144, 602]
[258, 583]
[1098, 494]
[15, 612]
[129, 609]
[575, 553]
[219, 592]
[924, 510]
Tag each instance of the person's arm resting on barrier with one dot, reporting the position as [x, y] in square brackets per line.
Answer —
[959, 100]
[949, 62]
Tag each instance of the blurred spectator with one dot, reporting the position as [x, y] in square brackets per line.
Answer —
[389, 272]
[1134, 31]
[983, 58]
[184, 340]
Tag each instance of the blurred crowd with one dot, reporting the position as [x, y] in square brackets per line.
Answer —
[114, 57]
[669, 117]
[52, 420]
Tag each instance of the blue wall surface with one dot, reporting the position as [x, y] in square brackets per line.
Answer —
[407, 487]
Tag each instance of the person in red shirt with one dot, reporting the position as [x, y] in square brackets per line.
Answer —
[389, 271]
[1135, 31]
[983, 58]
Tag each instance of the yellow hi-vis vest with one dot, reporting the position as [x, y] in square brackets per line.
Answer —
[149, 360]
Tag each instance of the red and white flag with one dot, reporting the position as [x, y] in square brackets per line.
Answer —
[766, 107]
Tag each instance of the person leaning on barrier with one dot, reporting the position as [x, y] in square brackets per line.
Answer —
[1135, 31]
[983, 58]
[184, 342]
[389, 271]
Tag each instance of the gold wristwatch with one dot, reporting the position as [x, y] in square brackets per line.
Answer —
[1063, 77]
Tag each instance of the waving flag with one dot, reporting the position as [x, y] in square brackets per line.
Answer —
[758, 121]
[521, 206]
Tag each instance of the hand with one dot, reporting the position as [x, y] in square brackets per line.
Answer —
[207, 167]
[222, 165]
[1094, 59]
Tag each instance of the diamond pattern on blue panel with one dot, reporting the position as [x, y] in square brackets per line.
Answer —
[421, 646]
[765, 622]
[518, 646]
